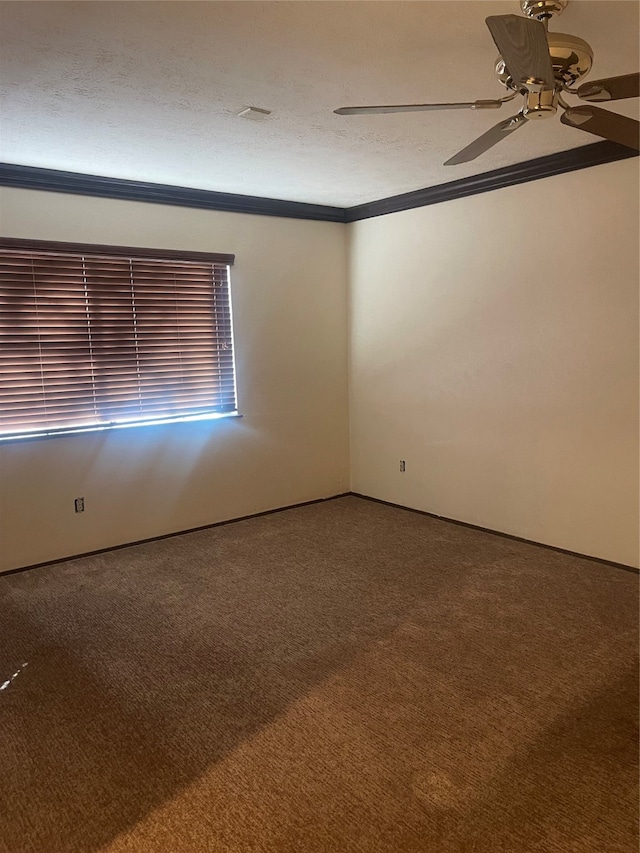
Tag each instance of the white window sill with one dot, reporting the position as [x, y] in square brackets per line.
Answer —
[55, 433]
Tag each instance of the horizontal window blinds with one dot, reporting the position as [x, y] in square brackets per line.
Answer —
[98, 338]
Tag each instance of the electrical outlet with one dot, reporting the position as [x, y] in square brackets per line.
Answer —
[79, 504]
[402, 466]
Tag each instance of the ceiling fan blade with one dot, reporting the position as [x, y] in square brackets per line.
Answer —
[487, 140]
[414, 108]
[611, 89]
[603, 123]
[522, 43]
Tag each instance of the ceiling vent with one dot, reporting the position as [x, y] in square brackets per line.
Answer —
[254, 113]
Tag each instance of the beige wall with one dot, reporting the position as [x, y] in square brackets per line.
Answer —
[494, 347]
[503, 368]
[289, 302]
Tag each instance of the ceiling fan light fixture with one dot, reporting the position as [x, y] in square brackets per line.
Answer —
[543, 104]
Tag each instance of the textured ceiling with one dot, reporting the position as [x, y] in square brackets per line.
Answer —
[150, 91]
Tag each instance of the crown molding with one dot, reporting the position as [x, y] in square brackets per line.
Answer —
[531, 170]
[52, 180]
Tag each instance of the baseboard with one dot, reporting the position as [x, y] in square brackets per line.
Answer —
[622, 566]
[58, 560]
[167, 535]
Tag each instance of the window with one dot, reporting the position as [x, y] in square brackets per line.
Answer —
[95, 336]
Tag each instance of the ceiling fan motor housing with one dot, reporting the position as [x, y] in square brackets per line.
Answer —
[571, 58]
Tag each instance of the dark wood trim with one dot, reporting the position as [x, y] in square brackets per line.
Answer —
[119, 251]
[167, 535]
[623, 566]
[500, 533]
[52, 180]
[520, 173]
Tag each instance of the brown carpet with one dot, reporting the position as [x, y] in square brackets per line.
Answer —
[343, 677]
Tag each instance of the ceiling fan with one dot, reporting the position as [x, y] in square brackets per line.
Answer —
[540, 66]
